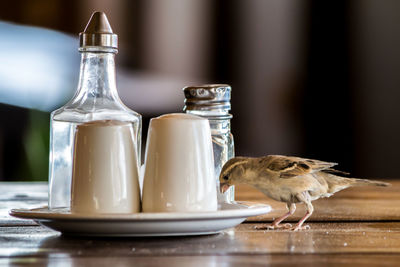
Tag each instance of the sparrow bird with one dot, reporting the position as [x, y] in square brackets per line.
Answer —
[289, 179]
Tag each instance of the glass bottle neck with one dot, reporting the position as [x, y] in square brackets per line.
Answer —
[220, 126]
[212, 115]
[220, 122]
[97, 76]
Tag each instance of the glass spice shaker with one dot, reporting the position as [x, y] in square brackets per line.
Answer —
[96, 98]
[212, 101]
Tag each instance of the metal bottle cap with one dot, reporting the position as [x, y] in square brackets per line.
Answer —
[211, 97]
[98, 35]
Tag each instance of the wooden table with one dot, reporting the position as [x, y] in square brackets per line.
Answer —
[357, 226]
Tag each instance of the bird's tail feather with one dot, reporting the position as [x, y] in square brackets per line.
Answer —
[338, 183]
[362, 182]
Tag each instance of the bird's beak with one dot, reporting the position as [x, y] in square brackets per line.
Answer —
[224, 187]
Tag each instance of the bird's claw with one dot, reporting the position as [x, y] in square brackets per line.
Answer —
[299, 227]
[274, 226]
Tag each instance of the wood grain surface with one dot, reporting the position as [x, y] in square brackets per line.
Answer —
[366, 203]
[359, 226]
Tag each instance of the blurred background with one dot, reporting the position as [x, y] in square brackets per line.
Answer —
[317, 79]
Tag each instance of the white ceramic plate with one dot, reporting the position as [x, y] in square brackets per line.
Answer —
[144, 224]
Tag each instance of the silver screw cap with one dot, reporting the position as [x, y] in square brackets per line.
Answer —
[98, 35]
[210, 97]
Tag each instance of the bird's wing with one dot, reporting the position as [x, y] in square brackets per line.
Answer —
[288, 167]
[336, 172]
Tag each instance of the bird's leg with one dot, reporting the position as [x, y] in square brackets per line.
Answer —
[299, 225]
[276, 223]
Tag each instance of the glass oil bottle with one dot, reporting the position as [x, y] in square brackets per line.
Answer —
[96, 98]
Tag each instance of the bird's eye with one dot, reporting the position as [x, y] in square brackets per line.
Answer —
[226, 178]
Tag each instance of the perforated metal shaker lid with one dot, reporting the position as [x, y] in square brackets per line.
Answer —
[208, 97]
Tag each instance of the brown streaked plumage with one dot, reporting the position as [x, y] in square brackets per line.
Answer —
[289, 179]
